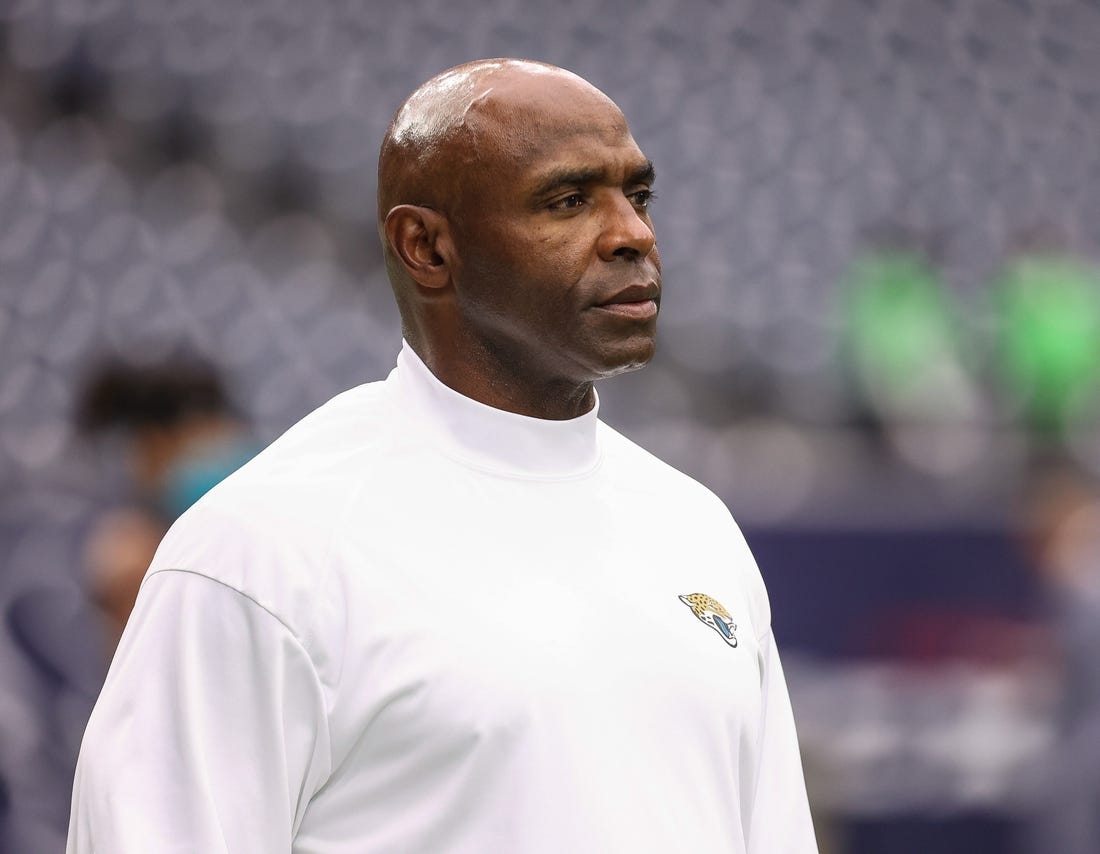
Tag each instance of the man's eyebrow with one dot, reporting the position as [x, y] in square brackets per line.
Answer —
[567, 178]
[579, 177]
[644, 174]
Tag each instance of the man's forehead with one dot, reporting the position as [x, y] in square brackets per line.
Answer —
[524, 120]
[545, 102]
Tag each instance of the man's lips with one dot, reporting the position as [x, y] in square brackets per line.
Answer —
[639, 302]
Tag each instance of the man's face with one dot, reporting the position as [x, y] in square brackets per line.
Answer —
[558, 271]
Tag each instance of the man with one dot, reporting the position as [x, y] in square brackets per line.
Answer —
[452, 611]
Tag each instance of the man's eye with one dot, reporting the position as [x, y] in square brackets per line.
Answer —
[575, 200]
[642, 198]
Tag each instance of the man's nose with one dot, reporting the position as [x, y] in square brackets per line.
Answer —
[626, 234]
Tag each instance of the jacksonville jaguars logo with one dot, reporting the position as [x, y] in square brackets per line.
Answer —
[711, 612]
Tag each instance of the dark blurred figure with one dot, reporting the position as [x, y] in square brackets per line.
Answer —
[51, 668]
[1064, 539]
[182, 435]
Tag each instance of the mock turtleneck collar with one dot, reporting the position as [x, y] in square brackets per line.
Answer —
[491, 438]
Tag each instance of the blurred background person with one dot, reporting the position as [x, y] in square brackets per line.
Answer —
[174, 425]
[1062, 528]
[181, 435]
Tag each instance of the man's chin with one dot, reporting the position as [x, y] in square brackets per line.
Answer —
[627, 358]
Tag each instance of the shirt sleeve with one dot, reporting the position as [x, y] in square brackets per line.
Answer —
[780, 822]
[210, 734]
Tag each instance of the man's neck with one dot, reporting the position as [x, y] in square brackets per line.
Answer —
[490, 380]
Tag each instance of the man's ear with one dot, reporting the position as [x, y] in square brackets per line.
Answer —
[421, 238]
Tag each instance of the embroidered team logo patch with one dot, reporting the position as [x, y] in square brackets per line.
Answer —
[711, 612]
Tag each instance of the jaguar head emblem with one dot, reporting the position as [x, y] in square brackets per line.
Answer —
[711, 612]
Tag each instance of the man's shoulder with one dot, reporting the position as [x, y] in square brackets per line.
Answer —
[269, 524]
[355, 419]
[647, 469]
[326, 449]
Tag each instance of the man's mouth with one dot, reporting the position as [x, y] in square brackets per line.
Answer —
[639, 302]
[642, 310]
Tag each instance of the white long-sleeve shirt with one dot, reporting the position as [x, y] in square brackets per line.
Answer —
[419, 625]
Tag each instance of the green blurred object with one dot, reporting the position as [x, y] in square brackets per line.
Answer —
[899, 324]
[1049, 311]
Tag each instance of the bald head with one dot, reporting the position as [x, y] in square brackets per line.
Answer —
[462, 120]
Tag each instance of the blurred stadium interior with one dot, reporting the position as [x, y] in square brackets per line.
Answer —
[880, 225]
